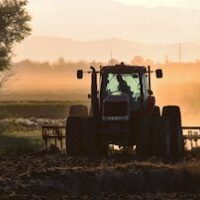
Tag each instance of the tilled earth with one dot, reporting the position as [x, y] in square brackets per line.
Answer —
[58, 176]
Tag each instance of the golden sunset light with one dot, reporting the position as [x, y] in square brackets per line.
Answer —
[100, 99]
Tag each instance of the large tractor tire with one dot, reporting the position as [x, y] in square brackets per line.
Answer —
[161, 137]
[145, 132]
[143, 138]
[92, 142]
[176, 138]
[78, 111]
[74, 139]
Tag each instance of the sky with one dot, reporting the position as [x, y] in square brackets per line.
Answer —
[189, 4]
[149, 21]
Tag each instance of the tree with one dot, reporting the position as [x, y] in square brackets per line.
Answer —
[137, 60]
[14, 27]
[113, 61]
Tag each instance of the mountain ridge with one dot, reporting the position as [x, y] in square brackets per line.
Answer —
[41, 48]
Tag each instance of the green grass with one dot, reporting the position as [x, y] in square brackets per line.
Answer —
[20, 142]
[19, 139]
[37, 109]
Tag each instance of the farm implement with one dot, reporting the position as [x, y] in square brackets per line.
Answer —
[57, 136]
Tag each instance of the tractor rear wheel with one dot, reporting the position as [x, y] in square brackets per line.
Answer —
[78, 111]
[177, 144]
[74, 139]
[161, 137]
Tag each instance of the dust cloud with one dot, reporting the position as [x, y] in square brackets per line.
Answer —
[57, 81]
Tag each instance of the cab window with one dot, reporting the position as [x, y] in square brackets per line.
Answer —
[127, 83]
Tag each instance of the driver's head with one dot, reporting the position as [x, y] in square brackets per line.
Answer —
[119, 77]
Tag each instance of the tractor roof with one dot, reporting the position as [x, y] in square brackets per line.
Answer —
[122, 68]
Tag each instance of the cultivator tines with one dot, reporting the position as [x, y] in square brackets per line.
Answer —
[55, 133]
[192, 136]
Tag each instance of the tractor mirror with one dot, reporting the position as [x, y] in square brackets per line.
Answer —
[159, 73]
[79, 74]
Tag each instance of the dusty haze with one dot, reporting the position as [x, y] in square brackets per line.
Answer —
[57, 81]
[69, 34]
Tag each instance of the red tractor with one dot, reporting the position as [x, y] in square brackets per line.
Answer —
[123, 112]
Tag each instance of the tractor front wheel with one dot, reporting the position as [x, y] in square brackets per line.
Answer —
[92, 141]
[143, 139]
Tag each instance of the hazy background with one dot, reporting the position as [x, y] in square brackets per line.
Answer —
[69, 34]
[152, 21]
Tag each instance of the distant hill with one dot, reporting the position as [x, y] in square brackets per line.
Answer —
[52, 48]
[98, 19]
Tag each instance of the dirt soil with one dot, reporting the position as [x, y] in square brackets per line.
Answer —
[58, 176]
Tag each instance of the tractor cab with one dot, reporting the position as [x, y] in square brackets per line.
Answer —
[124, 90]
